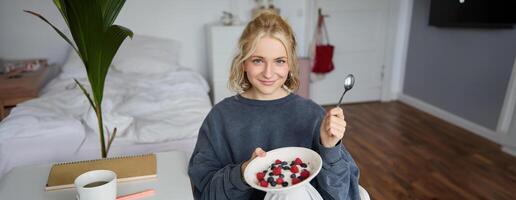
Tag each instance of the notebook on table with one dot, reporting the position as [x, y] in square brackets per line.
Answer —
[127, 168]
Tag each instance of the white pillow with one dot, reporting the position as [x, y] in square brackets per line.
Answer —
[144, 65]
[165, 50]
[160, 55]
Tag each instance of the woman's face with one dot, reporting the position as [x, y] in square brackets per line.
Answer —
[267, 69]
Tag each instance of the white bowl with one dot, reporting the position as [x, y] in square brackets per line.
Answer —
[259, 164]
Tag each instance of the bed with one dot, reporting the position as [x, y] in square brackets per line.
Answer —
[156, 105]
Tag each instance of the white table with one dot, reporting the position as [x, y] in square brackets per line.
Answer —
[172, 182]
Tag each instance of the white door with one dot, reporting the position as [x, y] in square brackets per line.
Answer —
[358, 29]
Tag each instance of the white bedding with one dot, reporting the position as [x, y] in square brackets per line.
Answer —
[148, 110]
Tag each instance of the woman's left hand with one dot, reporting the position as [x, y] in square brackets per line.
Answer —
[333, 127]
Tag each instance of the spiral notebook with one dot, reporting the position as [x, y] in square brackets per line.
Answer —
[127, 168]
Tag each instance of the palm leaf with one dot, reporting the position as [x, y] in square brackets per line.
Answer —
[110, 140]
[110, 10]
[55, 28]
[85, 93]
[113, 38]
[60, 6]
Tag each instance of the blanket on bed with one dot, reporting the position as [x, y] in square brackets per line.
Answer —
[145, 108]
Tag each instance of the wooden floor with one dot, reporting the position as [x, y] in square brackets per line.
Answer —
[404, 153]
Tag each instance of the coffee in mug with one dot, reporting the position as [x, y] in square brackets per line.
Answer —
[95, 184]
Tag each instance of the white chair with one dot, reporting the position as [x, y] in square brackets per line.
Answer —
[363, 193]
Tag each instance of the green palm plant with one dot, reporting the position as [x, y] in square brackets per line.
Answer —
[96, 42]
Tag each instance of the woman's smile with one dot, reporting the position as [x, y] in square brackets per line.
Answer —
[267, 82]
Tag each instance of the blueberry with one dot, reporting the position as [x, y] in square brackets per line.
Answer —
[303, 165]
[265, 171]
[273, 184]
[286, 168]
[285, 184]
[272, 166]
[293, 176]
[270, 180]
[271, 174]
[281, 175]
[284, 163]
[292, 163]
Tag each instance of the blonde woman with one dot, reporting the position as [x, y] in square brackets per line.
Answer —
[265, 114]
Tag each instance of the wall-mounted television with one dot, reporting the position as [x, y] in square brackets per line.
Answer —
[473, 13]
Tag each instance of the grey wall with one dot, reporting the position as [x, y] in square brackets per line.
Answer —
[462, 71]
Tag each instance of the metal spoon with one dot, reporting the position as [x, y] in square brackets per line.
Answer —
[349, 81]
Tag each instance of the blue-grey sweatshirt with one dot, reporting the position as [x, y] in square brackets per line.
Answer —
[237, 125]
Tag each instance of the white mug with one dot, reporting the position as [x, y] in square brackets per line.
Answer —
[96, 185]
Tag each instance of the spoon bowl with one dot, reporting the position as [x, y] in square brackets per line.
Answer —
[349, 82]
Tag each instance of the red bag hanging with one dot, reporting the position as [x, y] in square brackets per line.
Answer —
[323, 59]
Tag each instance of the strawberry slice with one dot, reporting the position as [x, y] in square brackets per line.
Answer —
[294, 169]
[276, 171]
[298, 161]
[305, 173]
[260, 176]
[264, 183]
[295, 181]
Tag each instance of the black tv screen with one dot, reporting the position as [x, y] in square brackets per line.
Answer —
[473, 13]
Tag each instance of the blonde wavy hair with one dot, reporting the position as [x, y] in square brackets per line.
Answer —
[270, 24]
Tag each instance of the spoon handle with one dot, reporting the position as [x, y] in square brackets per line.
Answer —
[340, 100]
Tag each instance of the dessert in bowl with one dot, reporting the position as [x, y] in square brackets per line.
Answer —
[285, 171]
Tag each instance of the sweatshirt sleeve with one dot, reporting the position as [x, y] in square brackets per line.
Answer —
[211, 179]
[338, 178]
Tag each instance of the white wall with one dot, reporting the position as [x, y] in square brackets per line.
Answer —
[25, 36]
[182, 20]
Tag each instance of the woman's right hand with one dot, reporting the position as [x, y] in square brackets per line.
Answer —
[258, 152]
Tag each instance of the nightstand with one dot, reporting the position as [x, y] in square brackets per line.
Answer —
[15, 89]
